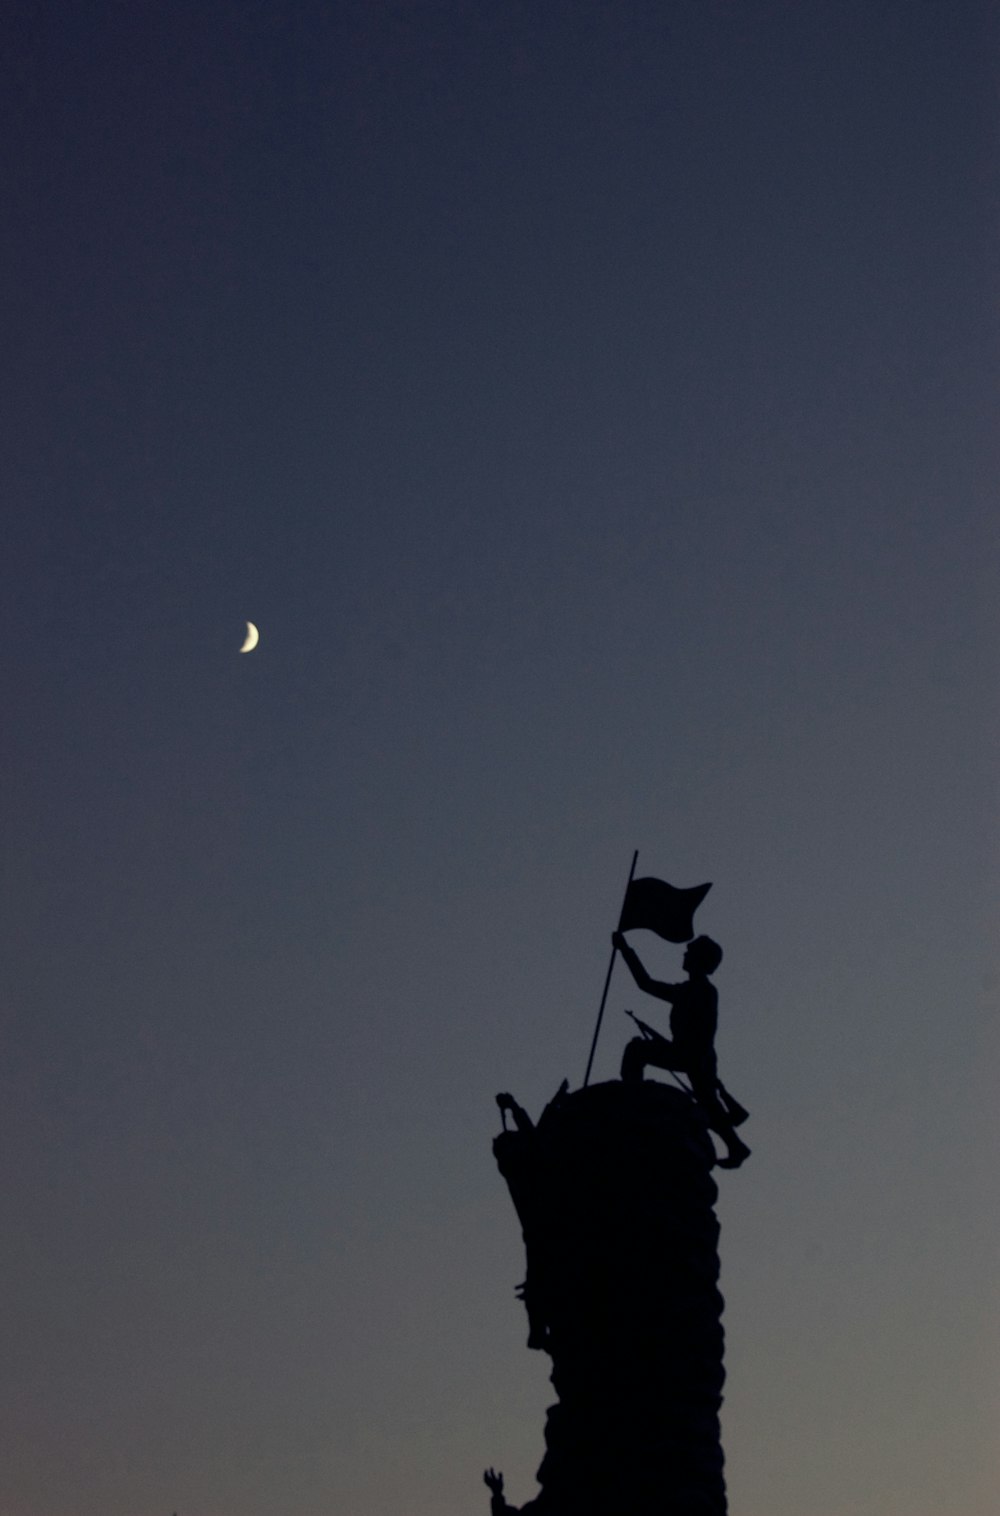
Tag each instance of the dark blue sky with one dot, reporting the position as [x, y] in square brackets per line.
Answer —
[594, 406]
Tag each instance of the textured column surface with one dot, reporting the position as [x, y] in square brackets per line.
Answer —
[615, 1195]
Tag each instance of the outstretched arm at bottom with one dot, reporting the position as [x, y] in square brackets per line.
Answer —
[494, 1482]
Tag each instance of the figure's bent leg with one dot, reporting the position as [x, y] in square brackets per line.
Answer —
[704, 1085]
[634, 1060]
[737, 1113]
[650, 1052]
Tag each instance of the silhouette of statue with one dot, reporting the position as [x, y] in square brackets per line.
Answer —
[690, 1049]
[614, 1189]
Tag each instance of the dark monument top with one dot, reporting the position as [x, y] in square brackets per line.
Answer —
[615, 1195]
[615, 1192]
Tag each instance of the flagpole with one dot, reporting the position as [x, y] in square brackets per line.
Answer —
[607, 981]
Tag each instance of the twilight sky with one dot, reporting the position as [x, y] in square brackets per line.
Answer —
[594, 406]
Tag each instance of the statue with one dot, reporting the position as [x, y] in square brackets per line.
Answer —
[690, 1049]
[613, 1186]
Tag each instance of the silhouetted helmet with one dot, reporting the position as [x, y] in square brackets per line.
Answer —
[706, 954]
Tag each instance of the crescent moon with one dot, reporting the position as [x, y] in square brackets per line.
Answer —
[251, 639]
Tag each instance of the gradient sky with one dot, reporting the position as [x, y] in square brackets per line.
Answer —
[594, 405]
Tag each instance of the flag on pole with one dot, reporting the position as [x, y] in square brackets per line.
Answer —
[660, 908]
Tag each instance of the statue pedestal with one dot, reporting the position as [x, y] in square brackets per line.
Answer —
[615, 1195]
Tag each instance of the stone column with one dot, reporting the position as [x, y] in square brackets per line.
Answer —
[615, 1195]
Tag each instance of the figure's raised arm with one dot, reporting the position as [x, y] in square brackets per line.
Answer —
[494, 1483]
[646, 984]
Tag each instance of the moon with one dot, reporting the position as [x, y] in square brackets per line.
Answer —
[251, 639]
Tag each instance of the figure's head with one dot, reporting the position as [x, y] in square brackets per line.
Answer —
[703, 956]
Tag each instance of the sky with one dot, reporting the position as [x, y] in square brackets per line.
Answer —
[594, 406]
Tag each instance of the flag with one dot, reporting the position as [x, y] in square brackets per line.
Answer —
[661, 908]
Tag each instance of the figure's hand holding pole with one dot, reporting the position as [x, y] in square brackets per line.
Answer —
[629, 954]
